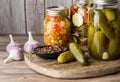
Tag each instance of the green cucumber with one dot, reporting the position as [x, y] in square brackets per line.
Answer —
[105, 26]
[78, 53]
[65, 57]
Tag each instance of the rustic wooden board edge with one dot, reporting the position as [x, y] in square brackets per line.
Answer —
[69, 75]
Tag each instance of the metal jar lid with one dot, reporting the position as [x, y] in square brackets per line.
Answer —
[85, 1]
[105, 2]
[57, 11]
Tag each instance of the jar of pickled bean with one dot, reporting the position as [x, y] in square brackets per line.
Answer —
[57, 27]
[104, 30]
[80, 19]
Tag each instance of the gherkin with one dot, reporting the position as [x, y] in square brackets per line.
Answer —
[105, 27]
[65, 57]
[110, 14]
[98, 45]
[90, 35]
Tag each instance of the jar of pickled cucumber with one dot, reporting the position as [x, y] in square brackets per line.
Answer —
[79, 18]
[104, 30]
[57, 27]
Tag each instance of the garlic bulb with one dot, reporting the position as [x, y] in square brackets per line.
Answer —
[30, 44]
[15, 53]
[14, 50]
[12, 44]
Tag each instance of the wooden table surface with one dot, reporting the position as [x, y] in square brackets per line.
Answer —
[18, 71]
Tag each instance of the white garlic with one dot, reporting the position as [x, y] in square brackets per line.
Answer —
[30, 44]
[12, 44]
[105, 55]
[14, 51]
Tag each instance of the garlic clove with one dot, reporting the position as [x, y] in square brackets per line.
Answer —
[12, 44]
[15, 53]
[105, 56]
[30, 44]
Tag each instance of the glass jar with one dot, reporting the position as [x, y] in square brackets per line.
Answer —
[79, 18]
[104, 30]
[57, 27]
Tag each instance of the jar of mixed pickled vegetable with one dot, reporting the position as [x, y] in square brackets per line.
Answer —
[57, 27]
[104, 30]
[79, 18]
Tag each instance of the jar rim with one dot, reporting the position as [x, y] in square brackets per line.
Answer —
[57, 10]
[85, 1]
[105, 2]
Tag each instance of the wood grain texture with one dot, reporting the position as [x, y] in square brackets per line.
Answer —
[75, 1]
[35, 15]
[12, 17]
[21, 16]
[18, 71]
[65, 3]
[21, 39]
[71, 70]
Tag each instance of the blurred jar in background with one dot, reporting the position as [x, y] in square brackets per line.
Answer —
[80, 19]
[57, 27]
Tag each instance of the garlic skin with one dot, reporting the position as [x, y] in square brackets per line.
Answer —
[15, 53]
[30, 44]
[12, 44]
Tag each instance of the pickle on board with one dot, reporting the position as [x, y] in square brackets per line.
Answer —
[78, 54]
[105, 27]
[65, 57]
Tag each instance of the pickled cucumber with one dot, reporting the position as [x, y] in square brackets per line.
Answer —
[110, 14]
[90, 35]
[116, 22]
[65, 57]
[91, 16]
[78, 53]
[114, 45]
[98, 45]
[93, 51]
[75, 39]
[105, 27]
[99, 40]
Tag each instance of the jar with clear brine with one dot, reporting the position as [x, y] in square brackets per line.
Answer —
[80, 20]
[57, 27]
[104, 30]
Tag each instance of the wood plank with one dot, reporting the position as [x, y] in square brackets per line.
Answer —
[75, 1]
[4, 40]
[35, 15]
[12, 17]
[73, 69]
[6, 74]
[65, 3]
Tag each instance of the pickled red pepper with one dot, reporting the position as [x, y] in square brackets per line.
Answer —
[56, 30]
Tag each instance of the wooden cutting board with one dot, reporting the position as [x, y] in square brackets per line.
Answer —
[73, 69]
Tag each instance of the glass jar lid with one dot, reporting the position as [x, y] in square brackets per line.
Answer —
[57, 11]
[105, 2]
